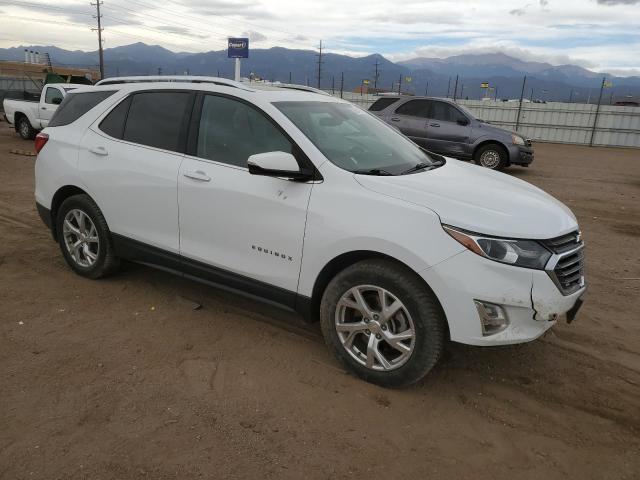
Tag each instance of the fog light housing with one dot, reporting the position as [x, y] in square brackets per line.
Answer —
[493, 318]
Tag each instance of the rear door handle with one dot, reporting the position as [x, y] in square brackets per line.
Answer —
[434, 124]
[99, 151]
[197, 175]
[43, 108]
[395, 119]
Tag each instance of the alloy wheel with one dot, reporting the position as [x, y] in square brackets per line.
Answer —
[81, 238]
[375, 327]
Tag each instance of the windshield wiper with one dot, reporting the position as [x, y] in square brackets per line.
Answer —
[373, 171]
[417, 167]
[437, 162]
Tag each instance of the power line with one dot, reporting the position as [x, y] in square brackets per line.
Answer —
[187, 16]
[98, 16]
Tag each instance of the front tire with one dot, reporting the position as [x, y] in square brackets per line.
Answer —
[84, 238]
[383, 323]
[492, 156]
[25, 130]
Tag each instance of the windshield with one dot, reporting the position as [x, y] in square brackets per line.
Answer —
[355, 140]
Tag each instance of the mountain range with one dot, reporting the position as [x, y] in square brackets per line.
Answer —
[434, 76]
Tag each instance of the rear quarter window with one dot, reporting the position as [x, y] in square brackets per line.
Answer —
[382, 103]
[75, 105]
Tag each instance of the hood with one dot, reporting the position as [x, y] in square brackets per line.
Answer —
[480, 200]
[489, 128]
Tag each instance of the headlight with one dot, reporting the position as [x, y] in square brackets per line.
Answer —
[517, 139]
[521, 253]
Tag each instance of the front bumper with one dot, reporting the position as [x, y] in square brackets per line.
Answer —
[529, 297]
[520, 155]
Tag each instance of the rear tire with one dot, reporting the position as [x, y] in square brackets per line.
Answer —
[388, 349]
[492, 156]
[84, 238]
[24, 128]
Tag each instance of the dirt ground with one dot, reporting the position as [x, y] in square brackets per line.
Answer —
[122, 378]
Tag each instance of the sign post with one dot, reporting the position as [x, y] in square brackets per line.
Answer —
[238, 48]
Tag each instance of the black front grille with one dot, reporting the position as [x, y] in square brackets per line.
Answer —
[568, 271]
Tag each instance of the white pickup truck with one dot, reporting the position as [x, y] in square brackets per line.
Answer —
[28, 117]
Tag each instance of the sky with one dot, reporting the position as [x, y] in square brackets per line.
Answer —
[602, 35]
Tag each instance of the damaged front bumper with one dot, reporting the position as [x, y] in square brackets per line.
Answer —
[529, 299]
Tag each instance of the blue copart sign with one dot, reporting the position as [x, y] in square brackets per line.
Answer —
[238, 48]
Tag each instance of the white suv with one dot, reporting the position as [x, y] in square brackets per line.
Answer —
[311, 203]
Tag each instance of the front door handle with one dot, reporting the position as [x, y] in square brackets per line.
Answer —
[197, 175]
[434, 124]
[99, 151]
[43, 108]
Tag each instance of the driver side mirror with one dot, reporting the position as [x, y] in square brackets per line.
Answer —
[462, 121]
[277, 164]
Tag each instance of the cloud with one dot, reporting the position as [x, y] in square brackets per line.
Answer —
[618, 2]
[179, 31]
[517, 11]
[513, 51]
[247, 9]
[254, 36]
[544, 3]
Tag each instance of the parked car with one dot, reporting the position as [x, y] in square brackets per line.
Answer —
[310, 203]
[28, 117]
[442, 126]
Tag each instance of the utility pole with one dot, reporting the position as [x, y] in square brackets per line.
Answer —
[524, 81]
[341, 83]
[426, 90]
[319, 63]
[98, 17]
[375, 77]
[531, 97]
[455, 89]
[400, 85]
[290, 77]
[333, 84]
[159, 71]
[449, 86]
[495, 99]
[462, 91]
[595, 120]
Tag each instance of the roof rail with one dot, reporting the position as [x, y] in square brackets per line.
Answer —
[172, 78]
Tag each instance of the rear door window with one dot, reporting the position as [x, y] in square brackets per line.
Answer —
[159, 119]
[444, 112]
[75, 105]
[414, 108]
[382, 103]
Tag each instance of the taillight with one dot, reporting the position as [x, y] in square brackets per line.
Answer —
[41, 141]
